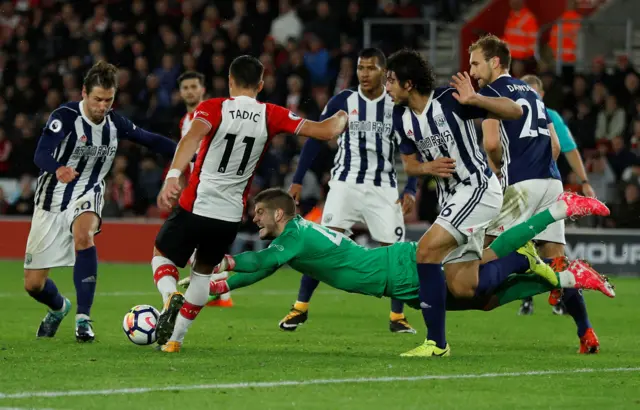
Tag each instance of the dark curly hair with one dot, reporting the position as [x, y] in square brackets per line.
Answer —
[102, 74]
[409, 65]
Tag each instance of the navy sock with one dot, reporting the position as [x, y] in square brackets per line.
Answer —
[85, 274]
[49, 295]
[397, 306]
[307, 286]
[433, 295]
[492, 274]
[576, 307]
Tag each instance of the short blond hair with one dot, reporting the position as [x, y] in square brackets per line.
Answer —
[492, 46]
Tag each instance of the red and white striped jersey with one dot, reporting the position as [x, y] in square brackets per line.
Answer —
[185, 123]
[240, 131]
[185, 126]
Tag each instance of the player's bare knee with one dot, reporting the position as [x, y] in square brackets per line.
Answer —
[34, 280]
[431, 250]
[82, 240]
[462, 289]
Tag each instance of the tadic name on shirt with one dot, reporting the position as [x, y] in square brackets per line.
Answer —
[244, 115]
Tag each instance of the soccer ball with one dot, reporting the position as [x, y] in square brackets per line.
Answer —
[139, 324]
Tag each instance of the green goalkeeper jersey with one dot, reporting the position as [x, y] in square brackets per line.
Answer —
[334, 259]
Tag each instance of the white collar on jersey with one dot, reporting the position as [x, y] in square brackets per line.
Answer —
[87, 118]
[384, 94]
[504, 75]
[426, 107]
[243, 97]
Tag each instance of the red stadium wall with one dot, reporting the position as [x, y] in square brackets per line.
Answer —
[118, 241]
[492, 20]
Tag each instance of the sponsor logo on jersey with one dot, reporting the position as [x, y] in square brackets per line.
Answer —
[99, 151]
[375, 126]
[83, 138]
[434, 140]
[354, 112]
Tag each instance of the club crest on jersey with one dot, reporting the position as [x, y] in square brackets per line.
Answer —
[388, 114]
[440, 120]
[328, 218]
[28, 259]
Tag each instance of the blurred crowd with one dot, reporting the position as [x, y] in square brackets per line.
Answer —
[308, 48]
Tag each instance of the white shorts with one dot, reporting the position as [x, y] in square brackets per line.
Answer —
[50, 242]
[524, 199]
[466, 215]
[375, 206]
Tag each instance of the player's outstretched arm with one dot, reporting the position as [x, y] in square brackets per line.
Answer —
[187, 147]
[502, 107]
[577, 165]
[327, 129]
[441, 167]
[243, 279]
[492, 144]
[240, 279]
[155, 142]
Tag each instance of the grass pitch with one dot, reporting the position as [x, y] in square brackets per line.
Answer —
[343, 358]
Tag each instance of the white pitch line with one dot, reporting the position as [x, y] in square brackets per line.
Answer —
[288, 383]
[266, 292]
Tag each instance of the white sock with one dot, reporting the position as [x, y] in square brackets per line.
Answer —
[220, 276]
[567, 280]
[167, 284]
[225, 296]
[558, 210]
[197, 295]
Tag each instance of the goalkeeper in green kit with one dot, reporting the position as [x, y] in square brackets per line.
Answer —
[336, 260]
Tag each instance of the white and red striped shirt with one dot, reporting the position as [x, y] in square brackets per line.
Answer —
[185, 126]
[240, 130]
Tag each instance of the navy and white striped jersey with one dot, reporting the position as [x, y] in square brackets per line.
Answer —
[366, 148]
[70, 139]
[526, 142]
[444, 129]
